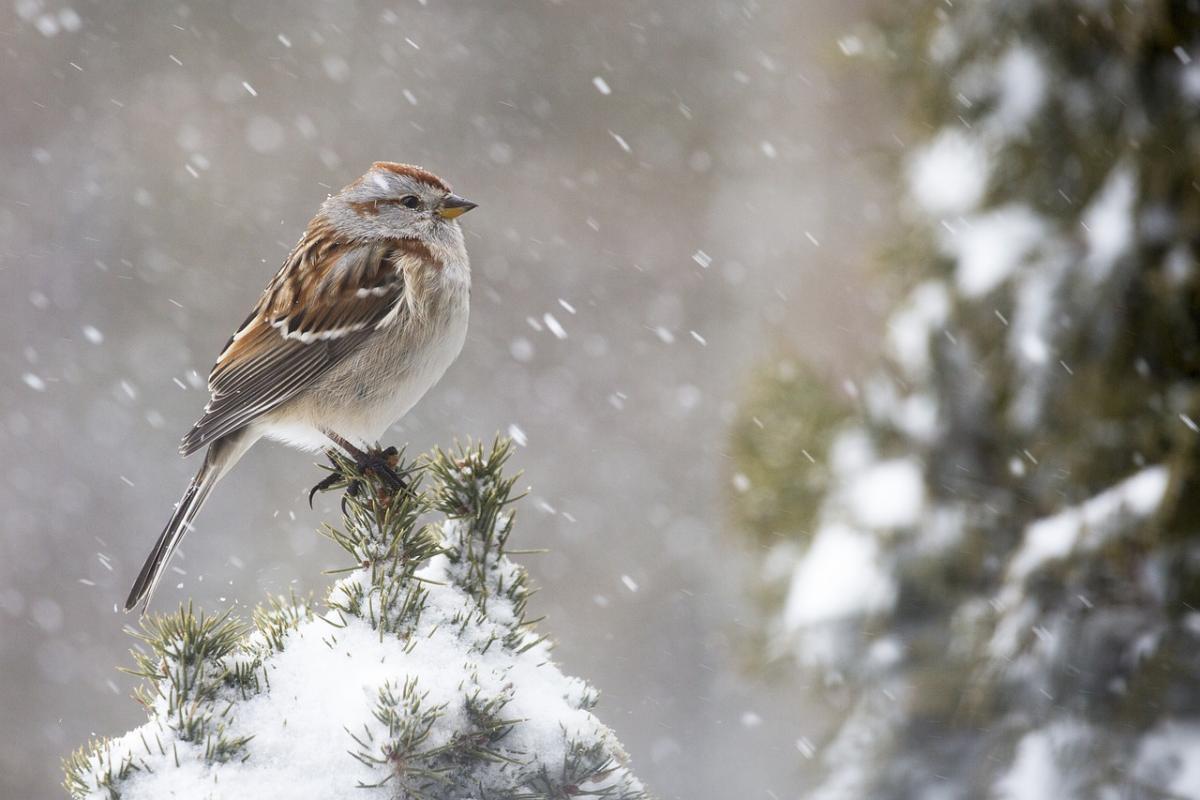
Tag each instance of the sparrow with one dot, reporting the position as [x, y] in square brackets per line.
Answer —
[365, 315]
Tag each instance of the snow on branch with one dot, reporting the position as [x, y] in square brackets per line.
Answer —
[418, 677]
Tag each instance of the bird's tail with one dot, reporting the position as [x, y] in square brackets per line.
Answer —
[221, 456]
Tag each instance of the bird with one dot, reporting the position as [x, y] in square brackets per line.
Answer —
[366, 314]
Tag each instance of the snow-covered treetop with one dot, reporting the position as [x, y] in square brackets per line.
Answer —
[419, 676]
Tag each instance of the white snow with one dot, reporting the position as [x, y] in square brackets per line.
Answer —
[851, 452]
[909, 329]
[1168, 757]
[944, 43]
[1189, 82]
[890, 494]
[1108, 221]
[1031, 335]
[949, 176]
[917, 416]
[990, 247]
[1021, 88]
[517, 435]
[1030, 343]
[1082, 527]
[850, 45]
[325, 683]
[1036, 772]
[1179, 264]
[805, 747]
[839, 576]
[554, 326]
[1088, 523]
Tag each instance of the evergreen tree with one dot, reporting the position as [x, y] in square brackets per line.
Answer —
[1001, 575]
[420, 675]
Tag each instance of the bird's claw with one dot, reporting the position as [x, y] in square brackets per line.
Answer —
[326, 484]
[381, 463]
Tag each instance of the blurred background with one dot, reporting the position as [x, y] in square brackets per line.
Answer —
[672, 195]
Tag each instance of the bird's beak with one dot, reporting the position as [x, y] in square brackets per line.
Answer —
[454, 206]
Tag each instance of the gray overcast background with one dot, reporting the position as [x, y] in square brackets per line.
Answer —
[663, 168]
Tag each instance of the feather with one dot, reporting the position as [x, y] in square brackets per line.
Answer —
[328, 298]
[219, 459]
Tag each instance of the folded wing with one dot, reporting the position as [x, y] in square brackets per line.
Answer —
[328, 299]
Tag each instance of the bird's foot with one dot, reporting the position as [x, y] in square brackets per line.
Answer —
[335, 479]
[381, 463]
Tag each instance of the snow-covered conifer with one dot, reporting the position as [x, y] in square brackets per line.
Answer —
[999, 578]
[418, 676]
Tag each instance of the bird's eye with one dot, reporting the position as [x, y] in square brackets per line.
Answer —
[410, 201]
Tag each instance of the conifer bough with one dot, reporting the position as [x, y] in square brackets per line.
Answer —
[418, 677]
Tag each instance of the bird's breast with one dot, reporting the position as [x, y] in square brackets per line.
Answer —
[401, 363]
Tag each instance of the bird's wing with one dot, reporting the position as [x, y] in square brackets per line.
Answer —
[328, 298]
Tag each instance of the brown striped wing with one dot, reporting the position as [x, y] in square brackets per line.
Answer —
[322, 305]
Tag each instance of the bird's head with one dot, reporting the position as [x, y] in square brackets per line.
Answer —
[398, 201]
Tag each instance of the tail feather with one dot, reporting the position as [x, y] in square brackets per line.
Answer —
[220, 457]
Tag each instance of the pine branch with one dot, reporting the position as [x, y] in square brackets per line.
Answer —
[429, 619]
